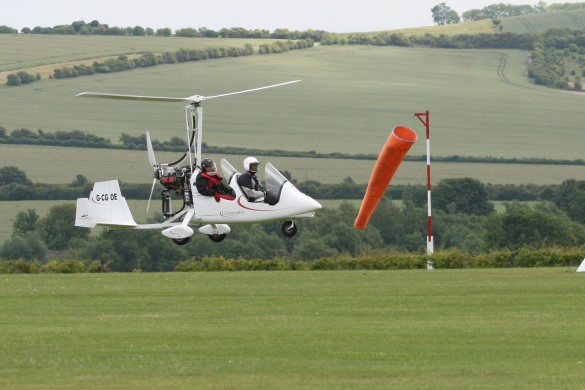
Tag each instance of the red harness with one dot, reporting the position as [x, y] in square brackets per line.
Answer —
[213, 180]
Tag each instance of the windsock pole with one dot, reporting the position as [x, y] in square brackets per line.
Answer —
[424, 118]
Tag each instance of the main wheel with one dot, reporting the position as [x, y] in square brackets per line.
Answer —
[217, 237]
[289, 228]
[181, 241]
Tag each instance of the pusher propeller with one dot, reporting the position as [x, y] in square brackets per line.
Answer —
[153, 163]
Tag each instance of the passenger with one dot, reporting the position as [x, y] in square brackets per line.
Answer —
[249, 182]
[210, 183]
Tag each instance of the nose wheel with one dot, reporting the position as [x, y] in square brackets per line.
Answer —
[216, 237]
[289, 229]
[181, 241]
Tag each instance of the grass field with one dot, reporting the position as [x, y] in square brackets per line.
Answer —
[497, 329]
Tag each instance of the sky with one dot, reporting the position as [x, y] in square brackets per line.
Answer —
[329, 15]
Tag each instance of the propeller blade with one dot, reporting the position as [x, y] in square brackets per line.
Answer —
[192, 99]
[131, 97]
[246, 91]
[150, 151]
[150, 197]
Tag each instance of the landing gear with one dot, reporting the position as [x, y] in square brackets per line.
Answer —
[181, 241]
[289, 228]
[216, 237]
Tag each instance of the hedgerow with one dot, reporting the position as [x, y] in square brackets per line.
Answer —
[442, 259]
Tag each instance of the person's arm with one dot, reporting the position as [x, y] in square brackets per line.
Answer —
[201, 184]
[245, 182]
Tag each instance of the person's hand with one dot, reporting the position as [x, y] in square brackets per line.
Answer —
[216, 196]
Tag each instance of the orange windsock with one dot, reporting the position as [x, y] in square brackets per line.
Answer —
[392, 154]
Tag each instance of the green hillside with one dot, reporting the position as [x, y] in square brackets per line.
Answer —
[30, 50]
[537, 23]
[351, 96]
[573, 20]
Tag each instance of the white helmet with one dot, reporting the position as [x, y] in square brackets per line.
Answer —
[250, 161]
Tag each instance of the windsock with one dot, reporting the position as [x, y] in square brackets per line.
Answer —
[392, 154]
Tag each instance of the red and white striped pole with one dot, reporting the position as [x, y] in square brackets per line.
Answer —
[424, 118]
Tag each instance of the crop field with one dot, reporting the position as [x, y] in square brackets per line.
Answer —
[477, 27]
[481, 104]
[28, 50]
[459, 329]
[573, 20]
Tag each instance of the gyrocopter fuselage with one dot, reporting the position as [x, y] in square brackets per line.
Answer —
[107, 207]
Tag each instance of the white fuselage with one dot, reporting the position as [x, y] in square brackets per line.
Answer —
[292, 204]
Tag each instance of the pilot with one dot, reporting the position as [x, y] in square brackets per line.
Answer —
[209, 182]
[249, 182]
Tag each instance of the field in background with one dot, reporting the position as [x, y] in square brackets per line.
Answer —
[28, 50]
[573, 20]
[350, 98]
[507, 328]
[478, 27]
[61, 165]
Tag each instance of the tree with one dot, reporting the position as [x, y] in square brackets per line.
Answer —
[541, 226]
[571, 199]
[443, 14]
[164, 32]
[27, 247]
[79, 181]
[12, 175]
[137, 31]
[13, 80]
[24, 222]
[8, 30]
[466, 195]
[57, 228]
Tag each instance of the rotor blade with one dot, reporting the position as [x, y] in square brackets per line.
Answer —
[252, 90]
[150, 197]
[150, 151]
[131, 97]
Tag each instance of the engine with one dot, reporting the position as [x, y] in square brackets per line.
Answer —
[173, 179]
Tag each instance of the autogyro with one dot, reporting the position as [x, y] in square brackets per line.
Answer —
[106, 206]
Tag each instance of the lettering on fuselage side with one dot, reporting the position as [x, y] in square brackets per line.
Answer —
[103, 198]
[231, 214]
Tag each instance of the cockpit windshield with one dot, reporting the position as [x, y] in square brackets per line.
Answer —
[273, 179]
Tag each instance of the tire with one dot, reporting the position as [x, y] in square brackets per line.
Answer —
[217, 237]
[181, 241]
[288, 229]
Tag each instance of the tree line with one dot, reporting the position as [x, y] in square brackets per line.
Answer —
[80, 27]
[441, 13]
[81, 139]
[15, 185]
[467, 232]
[123, 63]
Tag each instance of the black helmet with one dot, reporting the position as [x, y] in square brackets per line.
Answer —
[207, 162]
